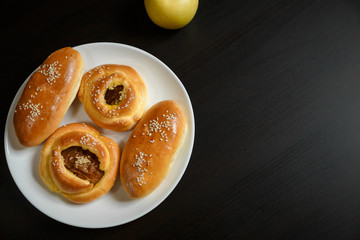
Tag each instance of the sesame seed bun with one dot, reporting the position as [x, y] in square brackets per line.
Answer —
[65, 179]
[114, 96]
[47, 96]
[151, 148]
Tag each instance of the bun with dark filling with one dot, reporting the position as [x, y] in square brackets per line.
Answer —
[114, 96]
[79, 163]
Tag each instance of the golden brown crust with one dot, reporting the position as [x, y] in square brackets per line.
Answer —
[151, 147]
[59, 179]
[47, 96]
[120, 116]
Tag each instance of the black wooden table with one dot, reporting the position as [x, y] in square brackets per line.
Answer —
[275, 88]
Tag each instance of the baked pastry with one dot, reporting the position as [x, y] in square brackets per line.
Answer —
[151, 147]
[79, 163]
[47, 95]
[114, 96]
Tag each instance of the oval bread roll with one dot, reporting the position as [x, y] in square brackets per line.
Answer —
[47, 96]
[79, 163]
[114, 96]
[151, 147]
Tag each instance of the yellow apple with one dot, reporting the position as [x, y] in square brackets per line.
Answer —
[171, 14]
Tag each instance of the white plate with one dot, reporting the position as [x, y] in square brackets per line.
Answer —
[115, 207]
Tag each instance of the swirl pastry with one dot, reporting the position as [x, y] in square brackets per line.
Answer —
[114, 96]
[79, 163]
[150, 150]
[47, 96]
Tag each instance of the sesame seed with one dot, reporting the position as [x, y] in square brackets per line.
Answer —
[140, 161]
[81, 160]
[51, 71]
[157, 126]
[34, 109]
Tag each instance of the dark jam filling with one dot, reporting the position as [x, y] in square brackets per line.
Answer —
[83, 163]
[113, 96]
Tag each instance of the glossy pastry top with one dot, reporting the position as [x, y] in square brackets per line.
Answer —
[114, 96]
[47, 95]
[80, 163]
[151, 148]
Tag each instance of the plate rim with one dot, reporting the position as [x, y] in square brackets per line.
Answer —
[165, 195]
